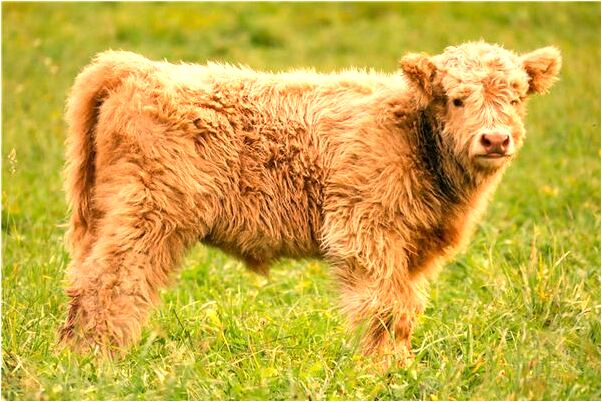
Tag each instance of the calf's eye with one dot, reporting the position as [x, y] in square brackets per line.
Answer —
[458, 102]
[515, 102]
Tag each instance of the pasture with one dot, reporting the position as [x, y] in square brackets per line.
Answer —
[516, 316]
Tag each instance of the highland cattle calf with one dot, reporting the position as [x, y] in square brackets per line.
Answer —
[380, 175]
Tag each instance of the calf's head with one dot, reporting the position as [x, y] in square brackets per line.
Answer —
[476, 94]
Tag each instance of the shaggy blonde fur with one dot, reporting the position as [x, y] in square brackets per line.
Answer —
[381, 175]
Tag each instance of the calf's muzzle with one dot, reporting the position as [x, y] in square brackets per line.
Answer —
[494, 144]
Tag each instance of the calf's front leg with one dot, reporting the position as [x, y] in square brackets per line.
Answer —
[385, 308]
[379, 293]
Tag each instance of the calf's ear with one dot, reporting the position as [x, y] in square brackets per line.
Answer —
[543, 66]
[420, 70]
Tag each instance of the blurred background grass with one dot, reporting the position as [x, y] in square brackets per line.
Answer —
[517, 316]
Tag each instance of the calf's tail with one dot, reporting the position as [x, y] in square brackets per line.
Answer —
[91, 88]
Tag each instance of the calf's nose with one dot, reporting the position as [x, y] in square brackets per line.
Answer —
[495, 143]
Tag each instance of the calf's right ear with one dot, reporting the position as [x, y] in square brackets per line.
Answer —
[420, 70]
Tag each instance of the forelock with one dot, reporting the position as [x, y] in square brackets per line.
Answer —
[480, 63]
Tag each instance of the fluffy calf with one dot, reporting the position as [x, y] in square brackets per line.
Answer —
[381, 175]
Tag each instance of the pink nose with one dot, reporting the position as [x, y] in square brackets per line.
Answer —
[495, 143]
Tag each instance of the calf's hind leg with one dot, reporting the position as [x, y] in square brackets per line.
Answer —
[136, 247]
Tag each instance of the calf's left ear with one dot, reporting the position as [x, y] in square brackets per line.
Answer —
[420, 70]
[543, 66]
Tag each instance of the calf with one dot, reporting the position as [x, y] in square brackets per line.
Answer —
[381, 175]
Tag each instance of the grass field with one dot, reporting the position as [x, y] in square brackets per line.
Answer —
[517, 316]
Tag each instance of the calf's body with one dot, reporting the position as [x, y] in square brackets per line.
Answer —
[352, 167]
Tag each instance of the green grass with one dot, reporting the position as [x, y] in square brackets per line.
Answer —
[517, 316]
